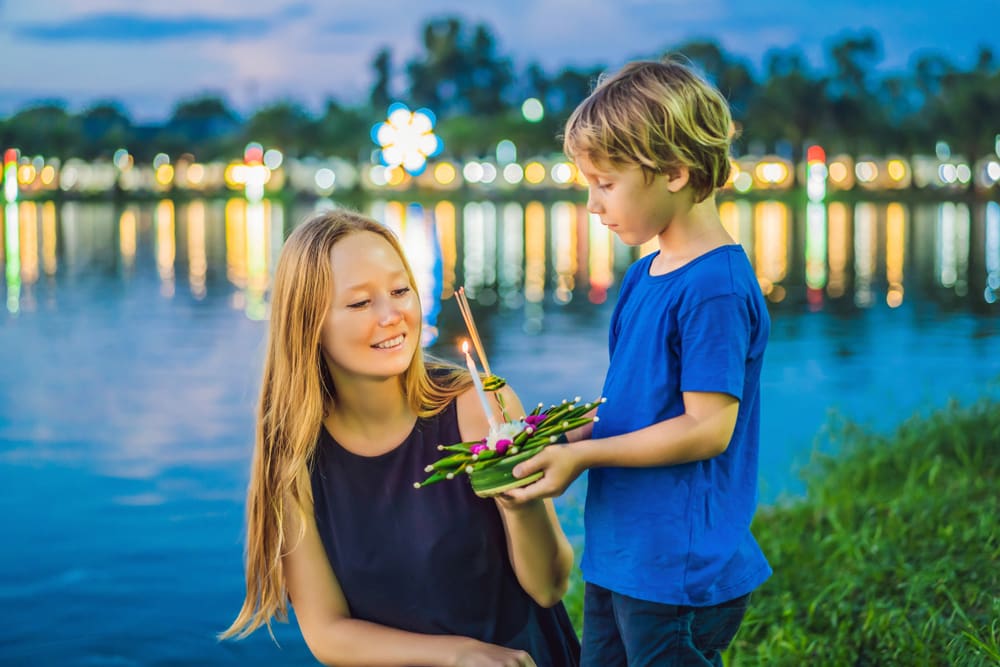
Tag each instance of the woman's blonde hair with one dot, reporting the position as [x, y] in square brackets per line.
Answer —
[658, 115]
[296, 392]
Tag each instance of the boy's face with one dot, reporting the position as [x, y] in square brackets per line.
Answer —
[627, 202]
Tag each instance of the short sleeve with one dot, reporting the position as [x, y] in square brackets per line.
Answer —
[715, 342]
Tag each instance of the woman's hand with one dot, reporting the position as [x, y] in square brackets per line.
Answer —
[475, 653]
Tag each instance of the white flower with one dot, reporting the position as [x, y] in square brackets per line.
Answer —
[506, 431]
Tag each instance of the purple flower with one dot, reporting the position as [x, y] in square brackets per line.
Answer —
[478, 448]
[535, 420]
[502, 445]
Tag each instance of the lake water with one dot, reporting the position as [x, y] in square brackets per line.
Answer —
[131, 341]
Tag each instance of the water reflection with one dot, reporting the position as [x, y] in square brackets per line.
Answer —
[515, 256]
[992, 246]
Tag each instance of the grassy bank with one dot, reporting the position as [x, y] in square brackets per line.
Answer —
[891, 559]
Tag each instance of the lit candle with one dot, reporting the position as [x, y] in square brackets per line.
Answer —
[479, 386]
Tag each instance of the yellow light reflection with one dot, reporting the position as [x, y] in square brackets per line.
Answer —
[394, 217]
[166, 248]
[601, 260]
[126, 237]
[49, 262]
[837, 248]
[771, 247]
[895, 232]
[534, 261]
[256, 252]
[236, 247]
[197, 260]
[444, 216]
[564, 249]
[29, 243]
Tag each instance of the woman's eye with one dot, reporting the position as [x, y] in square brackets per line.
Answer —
[358, 304]
[401, 291]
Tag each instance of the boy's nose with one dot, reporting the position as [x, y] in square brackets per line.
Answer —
[593, 206]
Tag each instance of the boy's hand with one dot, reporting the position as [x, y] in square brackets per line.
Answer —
[560, 465]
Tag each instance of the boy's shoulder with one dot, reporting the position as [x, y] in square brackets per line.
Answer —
[722, 271]
[725, 271]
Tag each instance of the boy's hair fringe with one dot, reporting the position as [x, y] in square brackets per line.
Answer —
[658, 115]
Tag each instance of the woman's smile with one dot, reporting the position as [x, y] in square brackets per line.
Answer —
[394, 343]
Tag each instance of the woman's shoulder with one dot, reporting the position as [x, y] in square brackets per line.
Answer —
[472, 421]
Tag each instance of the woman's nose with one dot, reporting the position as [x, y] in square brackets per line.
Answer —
[388, 314]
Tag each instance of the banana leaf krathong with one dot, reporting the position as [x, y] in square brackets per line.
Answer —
[490, 462]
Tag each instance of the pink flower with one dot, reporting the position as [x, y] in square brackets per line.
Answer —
[535, 420]
[502, 445]
[478, 448]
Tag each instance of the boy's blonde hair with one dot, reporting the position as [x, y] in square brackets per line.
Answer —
[659, 115]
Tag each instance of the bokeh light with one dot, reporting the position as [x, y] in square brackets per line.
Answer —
[406, 138]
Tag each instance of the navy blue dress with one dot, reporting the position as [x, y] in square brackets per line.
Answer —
[431, 560]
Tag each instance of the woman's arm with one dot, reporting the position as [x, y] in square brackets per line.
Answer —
[337, 639]
[539, 552]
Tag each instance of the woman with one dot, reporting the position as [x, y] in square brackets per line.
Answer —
[381, 573]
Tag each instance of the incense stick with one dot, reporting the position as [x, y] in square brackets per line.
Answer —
[470, 324]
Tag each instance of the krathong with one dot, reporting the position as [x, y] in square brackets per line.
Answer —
[490, 462]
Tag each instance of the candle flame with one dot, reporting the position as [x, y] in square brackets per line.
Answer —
[465, 347]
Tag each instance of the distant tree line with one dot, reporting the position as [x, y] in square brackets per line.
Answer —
[474, 89]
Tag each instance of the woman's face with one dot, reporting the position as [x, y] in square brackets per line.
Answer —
[373, 327]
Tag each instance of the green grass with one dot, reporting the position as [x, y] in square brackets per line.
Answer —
[892, 556]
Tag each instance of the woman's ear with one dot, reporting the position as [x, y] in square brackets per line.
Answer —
[677, 177]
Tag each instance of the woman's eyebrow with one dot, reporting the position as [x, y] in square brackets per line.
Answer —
[367, 283]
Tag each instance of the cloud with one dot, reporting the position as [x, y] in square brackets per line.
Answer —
[136, 27]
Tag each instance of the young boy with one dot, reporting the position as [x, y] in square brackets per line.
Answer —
[668, 557]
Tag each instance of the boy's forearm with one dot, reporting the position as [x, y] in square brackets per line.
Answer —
[581, 433]
[682, 439]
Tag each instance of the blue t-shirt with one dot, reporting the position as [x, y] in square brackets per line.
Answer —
[680, 534]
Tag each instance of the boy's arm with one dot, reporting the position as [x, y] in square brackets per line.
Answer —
[702, 432]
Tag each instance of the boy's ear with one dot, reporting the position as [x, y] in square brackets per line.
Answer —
[677, 177]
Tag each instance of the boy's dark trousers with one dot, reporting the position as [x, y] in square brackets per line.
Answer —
[621, 631]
